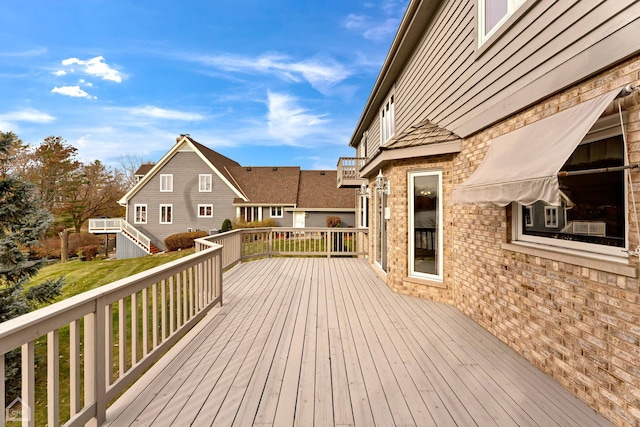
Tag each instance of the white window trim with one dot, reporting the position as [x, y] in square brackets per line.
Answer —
[604, 128]
[280, 215]
[208, 179]
[170, 206]
[363, 211]
[483, 36]
[551, 216]
[440, 257]
[135, 213]
[169, 180]
[530, 216]
[205, 205]
[387, 120]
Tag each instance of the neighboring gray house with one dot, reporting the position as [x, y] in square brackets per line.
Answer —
[497, 154]
[193, 188]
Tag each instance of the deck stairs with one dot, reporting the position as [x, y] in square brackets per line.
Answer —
[120, 225]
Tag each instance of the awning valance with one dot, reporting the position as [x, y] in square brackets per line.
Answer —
[522, 166]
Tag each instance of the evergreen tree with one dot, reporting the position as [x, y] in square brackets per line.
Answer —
[22, 222]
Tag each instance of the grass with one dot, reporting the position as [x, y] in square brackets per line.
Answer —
[82, 276]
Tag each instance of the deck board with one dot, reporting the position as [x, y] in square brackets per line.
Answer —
[315, 341]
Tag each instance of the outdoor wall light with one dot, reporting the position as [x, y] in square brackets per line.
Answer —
[382, 184]
[364, 190]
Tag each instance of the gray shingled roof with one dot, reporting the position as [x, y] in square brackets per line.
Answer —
[424, 133]
[144, 169]
[318, 190]
[276, 185]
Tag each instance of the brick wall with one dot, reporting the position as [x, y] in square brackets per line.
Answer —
[398, 244]
[578, 324]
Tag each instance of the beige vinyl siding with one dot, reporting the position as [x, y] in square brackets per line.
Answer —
[374, 137]
[463, 88]
[186, 167]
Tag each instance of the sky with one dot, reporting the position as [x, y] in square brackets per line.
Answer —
[264, 82]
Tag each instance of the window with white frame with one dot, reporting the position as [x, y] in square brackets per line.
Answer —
[205, 211]
[551, 216]
[387, 120]
[166, 214]
[276, 211]
[493, 13]
[425, 219]
[166, 182]
[140, 214]
[528, 216]
[205, 183]
[363, 211]
[592, 213]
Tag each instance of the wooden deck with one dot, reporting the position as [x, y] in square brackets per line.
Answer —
[313, 341]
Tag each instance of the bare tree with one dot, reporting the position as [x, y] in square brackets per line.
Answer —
[129, 165]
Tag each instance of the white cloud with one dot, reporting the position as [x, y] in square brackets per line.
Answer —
[378, 28]
[321, 72]
[161, 113]
[60, 73]
[370, 29]
[288, 122]
[96, 67]
[10, 120]
[27, 115]
[73, 91]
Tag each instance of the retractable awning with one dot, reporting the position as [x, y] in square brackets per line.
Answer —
[522, 166]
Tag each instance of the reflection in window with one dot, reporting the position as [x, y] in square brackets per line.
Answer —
[592, 210]
[492, 13]
[426, 225]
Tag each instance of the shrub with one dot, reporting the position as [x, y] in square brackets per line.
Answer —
[183, 240]
[89, 252]
[240, 223]
[45, 292]
[50, 247]
[226, 226]
[334, 221]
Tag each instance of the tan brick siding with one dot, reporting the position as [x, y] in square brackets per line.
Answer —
[576, 323]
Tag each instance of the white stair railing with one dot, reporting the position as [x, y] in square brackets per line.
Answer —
[120, 225]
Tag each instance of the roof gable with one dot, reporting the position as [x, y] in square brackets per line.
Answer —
[217, 162]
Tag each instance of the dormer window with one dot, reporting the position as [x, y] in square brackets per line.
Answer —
[387, 120]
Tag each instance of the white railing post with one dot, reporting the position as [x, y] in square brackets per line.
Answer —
[53, 383]
[28, 384]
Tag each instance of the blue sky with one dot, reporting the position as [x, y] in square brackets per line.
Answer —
[265, 82]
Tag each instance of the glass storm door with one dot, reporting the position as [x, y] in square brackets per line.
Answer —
[381, 230]
[425, 218]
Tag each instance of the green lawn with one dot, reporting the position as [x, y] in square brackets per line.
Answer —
[82, 276]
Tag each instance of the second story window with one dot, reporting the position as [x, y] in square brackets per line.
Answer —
[205, 183]
[492, 14]
[166, 182]
[387, 120]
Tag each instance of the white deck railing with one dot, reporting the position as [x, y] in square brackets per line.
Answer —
[115, 332]
[122, 329]
[349, 169]
[242, 245]
[120, 225]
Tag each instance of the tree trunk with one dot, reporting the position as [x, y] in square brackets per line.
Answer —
[64, 245]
